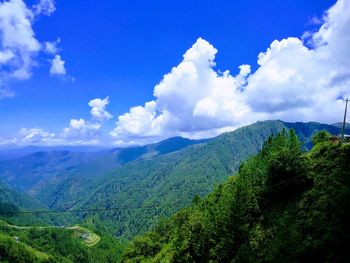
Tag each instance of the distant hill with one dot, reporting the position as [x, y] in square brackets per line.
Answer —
[141, 183]
[12, 200]
[340, 125]
[59, 179]
[11, 152]
[19, 199]
[144, 190]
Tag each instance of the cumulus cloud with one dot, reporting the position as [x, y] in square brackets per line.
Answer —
[19, 46]
[52, 47]
[17, 43]
[78, 132]
[295, 81]
[98, 109]
[35, 135]
[191, 99]
[45, 7]
[57, 66]
[81, 130]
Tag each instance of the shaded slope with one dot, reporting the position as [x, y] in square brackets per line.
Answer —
[284, 205]
[144, 190]
[12, 201]
[60, 179]
[56, 244]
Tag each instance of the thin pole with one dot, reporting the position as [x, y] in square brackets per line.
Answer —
[344, 121]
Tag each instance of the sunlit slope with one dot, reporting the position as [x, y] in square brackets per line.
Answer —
[142, 191]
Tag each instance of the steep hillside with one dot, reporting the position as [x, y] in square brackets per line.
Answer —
[56, 244]
[12, 201]
[141, 183]
[284, 205]
[142, 191]
[59, 179]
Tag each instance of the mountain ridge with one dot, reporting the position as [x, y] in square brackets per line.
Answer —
[171, 181]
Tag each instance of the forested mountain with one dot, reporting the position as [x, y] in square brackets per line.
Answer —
[11, 152]
[12, 201]
[142, 191]
[57, 244]
[283, 205]
[141, 184]
[59, 179]
[261, 214]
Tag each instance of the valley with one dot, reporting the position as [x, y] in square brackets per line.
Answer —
[127, 192]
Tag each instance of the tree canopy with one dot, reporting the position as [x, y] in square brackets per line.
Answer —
[283, 205]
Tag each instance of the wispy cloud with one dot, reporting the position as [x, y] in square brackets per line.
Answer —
[45, 7]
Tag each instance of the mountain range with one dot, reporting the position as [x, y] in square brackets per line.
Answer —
[137, 185]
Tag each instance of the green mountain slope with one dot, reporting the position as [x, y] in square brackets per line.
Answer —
[12, 201]
[60, 179]
[56, 244]
[17, 198]
[142, 191]
[284, 205]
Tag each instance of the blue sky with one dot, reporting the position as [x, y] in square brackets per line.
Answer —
[123, 49]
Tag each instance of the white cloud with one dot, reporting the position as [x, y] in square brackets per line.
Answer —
[19, 46]
[98, 109]
[35, 135]
[45, 7]
[52, 47]
[18, 43]
[57, 66]
[78, 132]
[191, 99]
[297, 79]
[81, 129]
[294, 82]
[298, 83]
[6, 56]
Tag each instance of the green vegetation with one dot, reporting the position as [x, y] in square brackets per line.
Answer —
[57, 244]
[13, 251]
[274, 209]
[12, 200]
[89, 237]
[61, 179]
[284, 205]
[142, 191]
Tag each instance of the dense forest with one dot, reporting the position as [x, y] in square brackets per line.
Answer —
[283, 205]
[147, 189]
[285, 201]
[56, 244]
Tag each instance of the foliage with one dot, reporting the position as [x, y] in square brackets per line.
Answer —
[322, 136]
[144, 190]
[59, 244]
[10, 251]
[12, 200]
[61, 178]
[284, 205]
